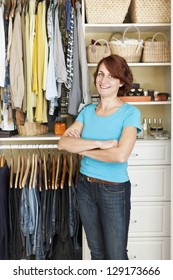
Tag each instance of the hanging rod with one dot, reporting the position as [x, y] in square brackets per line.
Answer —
[29, 146]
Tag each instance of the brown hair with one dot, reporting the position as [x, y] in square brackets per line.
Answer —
[119, 69]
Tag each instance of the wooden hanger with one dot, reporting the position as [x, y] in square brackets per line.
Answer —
[18, 170]
[7, 9]
[53, 172]
[32, 171]
[35, 171]
[70, 170]
[2, 161]
[13, 7]
[63, 171]
[28, 165]
[57, 171]
[11, 171]
[45, 172]
[48, 165]
[22, 170]
[40, 173]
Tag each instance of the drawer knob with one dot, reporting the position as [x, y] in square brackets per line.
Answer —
[133, 221]
[134, 185]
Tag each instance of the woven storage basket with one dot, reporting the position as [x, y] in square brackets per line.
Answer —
[32, 129]
[106, 11]
[130, 49]
[95, 52]
[156, 51]
[147, 11]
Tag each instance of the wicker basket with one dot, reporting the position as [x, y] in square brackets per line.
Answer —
[156, 51]
[32, 129]
[96, 52]
[147, 11]
[130, 49]
[106, 11]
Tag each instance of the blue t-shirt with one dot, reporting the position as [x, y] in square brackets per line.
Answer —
[107, 128]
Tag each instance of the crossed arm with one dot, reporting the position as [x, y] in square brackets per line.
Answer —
[103, 150]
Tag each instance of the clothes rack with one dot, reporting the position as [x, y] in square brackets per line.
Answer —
[29, 146]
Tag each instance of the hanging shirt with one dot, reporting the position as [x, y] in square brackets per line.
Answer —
[82, 57]
[40, 63]
[60, 67]
[16, 62]
[75, 94]
[2, 47]
[51, 89]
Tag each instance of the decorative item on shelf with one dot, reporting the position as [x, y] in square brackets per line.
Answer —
[95, 98]
[97, 51]
[156, 51]
[106, 11]
[147, 11]
[156, 126]
[135, 98]
[129, 48]
[32, 129]
[161, 96]
[60, 127]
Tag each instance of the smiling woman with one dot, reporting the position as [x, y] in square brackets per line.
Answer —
[105, 135]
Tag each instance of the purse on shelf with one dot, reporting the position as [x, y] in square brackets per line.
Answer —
[98, 50]
[129, 48]
[156, 50]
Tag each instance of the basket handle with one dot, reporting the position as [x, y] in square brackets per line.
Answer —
[94, 45]
[101, 40]
[159, 33]
[139, 36]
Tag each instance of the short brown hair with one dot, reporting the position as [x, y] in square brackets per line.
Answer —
[119, 69]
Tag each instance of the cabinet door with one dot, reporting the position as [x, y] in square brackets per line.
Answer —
[150, 153]
[157, 248]
[149, 219]
[149, 248]
[150, 183]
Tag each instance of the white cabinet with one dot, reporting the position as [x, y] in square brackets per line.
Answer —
[149, 229]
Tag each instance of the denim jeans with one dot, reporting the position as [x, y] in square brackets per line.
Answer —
[105, 214]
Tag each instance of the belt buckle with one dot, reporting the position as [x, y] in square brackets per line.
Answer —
[88, 179]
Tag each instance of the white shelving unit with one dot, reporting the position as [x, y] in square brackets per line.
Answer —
[158, 237]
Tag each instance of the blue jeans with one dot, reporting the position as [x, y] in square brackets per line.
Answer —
[105, 214]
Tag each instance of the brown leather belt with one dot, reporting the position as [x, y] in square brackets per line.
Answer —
[95, 180]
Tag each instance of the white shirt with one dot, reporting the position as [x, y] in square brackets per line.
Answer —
[2, 47]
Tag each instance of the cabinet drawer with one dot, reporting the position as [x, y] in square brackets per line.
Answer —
[149, 219]
[150, 153]
[157, 248]
[149, 248]
[150, 183]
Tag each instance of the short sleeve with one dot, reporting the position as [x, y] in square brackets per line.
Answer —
[133, 118]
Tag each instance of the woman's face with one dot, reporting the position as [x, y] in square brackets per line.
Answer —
[106, 85]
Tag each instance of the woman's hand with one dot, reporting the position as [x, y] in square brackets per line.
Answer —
[106, 144]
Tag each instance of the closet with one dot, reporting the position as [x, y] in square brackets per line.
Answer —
[38, 183]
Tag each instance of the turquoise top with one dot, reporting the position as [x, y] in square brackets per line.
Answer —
[107, 128]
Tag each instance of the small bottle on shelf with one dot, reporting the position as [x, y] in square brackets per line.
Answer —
[145, 126]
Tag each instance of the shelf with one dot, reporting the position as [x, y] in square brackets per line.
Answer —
[18, 138]
[140, 64]
[102, 28]
[151, 103]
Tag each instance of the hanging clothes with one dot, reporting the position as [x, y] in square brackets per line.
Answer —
[40, 63]
[4, 214]
[16, 62]
[75, 94]
[2, 46]
[82, 58]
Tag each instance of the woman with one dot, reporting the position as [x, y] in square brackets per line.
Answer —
[105, 135]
